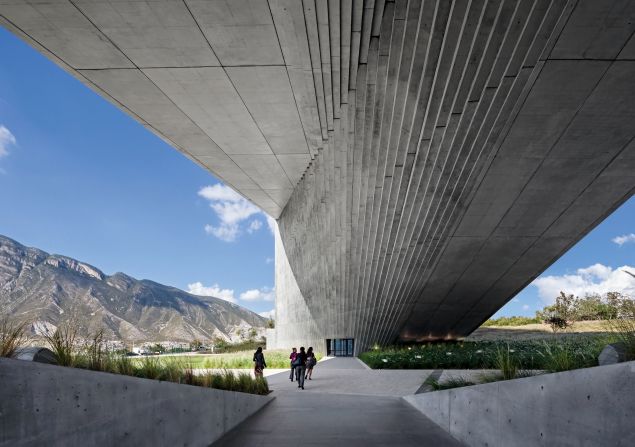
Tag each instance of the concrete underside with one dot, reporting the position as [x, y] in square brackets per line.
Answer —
[425, 159]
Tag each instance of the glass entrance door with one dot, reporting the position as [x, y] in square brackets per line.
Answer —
[340, 347]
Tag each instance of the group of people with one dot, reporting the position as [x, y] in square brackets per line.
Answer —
[302, 364]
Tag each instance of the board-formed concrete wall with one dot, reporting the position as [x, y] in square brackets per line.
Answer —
[295, 325]
[585, 407]
[56, 406]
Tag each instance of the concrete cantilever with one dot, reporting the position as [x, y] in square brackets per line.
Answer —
[425, 160]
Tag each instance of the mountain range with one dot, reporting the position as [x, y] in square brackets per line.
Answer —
[45, 289]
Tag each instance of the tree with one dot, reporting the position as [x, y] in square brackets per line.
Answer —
[195, 345]
[270, 324]
[252, 333]
[157, 347]
[562, 314]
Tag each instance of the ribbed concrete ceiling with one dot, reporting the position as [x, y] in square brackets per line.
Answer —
[479, 140]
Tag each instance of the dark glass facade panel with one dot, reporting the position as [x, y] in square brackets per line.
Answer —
[340, 347]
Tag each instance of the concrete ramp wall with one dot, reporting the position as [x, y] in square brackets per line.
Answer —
[55, 406]
[585, 407]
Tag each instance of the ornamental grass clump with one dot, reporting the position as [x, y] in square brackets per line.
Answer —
[507, 365]
[557, 357]
[12, 337]
[63, 342]
[97, 357]
[123, 365]
[625, 330]
[149, 368]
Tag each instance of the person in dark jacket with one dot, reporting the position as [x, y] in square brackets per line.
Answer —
[259, 362]
[310, 363]
[300, 369]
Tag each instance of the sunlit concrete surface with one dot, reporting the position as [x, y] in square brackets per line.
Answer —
[424, 160]
[336, 409]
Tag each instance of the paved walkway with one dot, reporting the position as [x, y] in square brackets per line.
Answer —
[345, 404]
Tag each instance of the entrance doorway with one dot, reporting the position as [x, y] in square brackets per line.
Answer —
[340, 347]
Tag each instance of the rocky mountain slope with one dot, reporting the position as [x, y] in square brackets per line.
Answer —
[45, 289]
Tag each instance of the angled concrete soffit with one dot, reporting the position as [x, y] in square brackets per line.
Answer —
[425, 160]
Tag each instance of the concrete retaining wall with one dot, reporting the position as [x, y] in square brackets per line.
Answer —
[55, 406]
[585, 407]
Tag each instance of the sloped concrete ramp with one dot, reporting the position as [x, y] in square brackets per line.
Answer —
[345, 404]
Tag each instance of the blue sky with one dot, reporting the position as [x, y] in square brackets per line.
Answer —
[79, 177]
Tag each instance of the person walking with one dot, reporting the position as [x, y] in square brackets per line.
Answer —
[292, 357]
[259, 362]
[310, 363]
[301, 368]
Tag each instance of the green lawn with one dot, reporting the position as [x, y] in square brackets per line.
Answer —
[236, 360]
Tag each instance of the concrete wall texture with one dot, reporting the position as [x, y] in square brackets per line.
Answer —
[585, 407]
[55, 406]
[425, 160]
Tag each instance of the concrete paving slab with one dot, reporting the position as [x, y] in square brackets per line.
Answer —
[314, 419]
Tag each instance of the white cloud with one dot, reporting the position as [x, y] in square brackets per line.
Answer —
[271, 223]
[624, 239]
[231, 209]
[6, 139]
[268, 260]
[594, 279]
[262, 294]
[225, 233]
[198, 288]
[268, 314]
[254, 225]
[526, 307]
[515, 300]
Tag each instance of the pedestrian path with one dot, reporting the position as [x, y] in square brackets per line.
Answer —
[345, 404]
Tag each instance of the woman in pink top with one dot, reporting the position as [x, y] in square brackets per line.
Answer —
[292, 357]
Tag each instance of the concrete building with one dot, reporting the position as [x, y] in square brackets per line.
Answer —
[425, 160]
